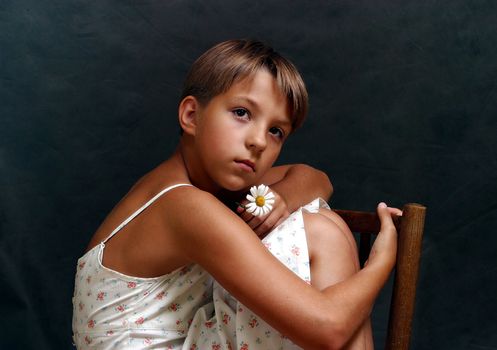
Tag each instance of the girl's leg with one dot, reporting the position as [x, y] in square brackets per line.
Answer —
[333, 258]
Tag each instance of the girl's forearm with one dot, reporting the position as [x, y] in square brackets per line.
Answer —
[344, 308]
[353, 299]
[301, 184]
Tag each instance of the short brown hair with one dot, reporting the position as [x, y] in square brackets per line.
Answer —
[215, 71]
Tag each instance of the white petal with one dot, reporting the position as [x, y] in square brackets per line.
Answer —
[251, 207]
[269, 201]
[269, 206]
[255, 191]
[265, 190]
[270, 195]
[260, 189]
[250, 198]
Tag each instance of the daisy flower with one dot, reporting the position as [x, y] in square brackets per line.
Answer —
[260, 200]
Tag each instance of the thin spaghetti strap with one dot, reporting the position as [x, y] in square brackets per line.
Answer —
[145, 206]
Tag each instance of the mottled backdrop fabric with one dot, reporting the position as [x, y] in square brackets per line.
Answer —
[403, 108]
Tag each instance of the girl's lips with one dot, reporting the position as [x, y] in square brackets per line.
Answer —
[247, 165]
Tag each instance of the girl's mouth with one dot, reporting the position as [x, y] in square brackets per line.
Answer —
[246, 165]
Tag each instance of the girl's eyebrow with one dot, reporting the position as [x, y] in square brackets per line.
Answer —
[248, 100]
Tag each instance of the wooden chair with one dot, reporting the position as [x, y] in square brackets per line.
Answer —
[410, 234]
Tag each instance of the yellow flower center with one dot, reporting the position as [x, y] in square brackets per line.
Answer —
[260, 201]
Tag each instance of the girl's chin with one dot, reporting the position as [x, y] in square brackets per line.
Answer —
[237, 186]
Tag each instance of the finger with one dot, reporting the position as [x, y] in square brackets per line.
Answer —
[282, 218]
[255, 221]
[240, 209]
[266, 226]
[244, 215]
[395, 211]
[274, 218]
[385, 216]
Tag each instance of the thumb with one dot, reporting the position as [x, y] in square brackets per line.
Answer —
[385, 217]
[385, 245]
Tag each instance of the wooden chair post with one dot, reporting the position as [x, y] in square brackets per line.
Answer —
[406, 276]
[410, 234]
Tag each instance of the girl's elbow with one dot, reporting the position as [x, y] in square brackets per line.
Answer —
[326, 184]
[333, 344]
[334, 337]
[322, 178]
[329, 185]
[337, 341]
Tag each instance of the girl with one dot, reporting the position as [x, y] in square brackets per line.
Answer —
[145, 279]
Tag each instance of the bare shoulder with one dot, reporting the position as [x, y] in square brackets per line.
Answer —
[195, 215]
[185, 200]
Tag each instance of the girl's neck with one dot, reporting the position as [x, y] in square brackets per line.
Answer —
[201, 180]
[195, 174]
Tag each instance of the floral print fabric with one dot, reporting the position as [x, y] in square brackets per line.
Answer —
[181, 310]
[226, 324]
[115, 311]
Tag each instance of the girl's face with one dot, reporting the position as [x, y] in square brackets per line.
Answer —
[239, 134]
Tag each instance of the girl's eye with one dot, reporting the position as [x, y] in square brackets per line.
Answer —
[277, 132]
[241, 113]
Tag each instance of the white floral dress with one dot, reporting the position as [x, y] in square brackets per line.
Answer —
[226, 324]
[115, 311]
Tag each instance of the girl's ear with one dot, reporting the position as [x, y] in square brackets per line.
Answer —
[187, 114]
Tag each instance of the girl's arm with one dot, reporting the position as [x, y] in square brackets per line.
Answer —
[298, 184]
[294, 186]
[211, 235]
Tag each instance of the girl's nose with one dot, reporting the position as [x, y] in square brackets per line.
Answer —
[256, 139]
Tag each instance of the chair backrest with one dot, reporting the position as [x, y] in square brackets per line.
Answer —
[410, 229]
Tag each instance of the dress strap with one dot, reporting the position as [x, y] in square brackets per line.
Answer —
[145, 206]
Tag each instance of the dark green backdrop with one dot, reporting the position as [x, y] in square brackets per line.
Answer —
[403, 108]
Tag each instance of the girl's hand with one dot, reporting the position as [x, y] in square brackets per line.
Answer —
[262, 225]
[384, 249]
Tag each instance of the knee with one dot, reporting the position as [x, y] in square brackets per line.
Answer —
[330, 214]
[321, 227]
[318, 227]
[327, 237]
